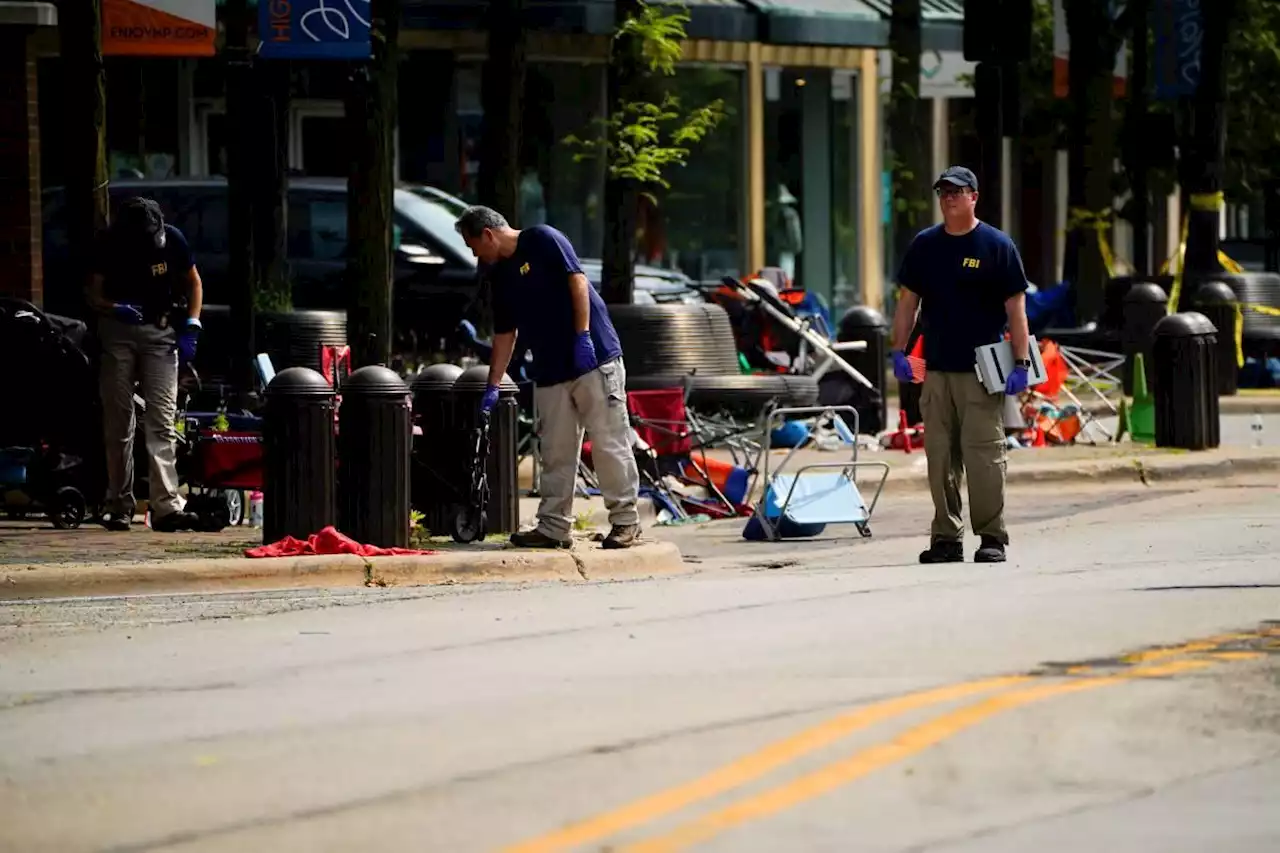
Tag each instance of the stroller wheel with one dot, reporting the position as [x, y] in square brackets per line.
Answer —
[469, 525]
[234, 499]
[68, 509]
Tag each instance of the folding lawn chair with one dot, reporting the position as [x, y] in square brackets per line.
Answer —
[803, 502]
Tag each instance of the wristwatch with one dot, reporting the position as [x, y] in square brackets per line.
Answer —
[1024, 363]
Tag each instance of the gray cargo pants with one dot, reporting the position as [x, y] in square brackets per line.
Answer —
[964, 434]
[146, 354]
[598, 402]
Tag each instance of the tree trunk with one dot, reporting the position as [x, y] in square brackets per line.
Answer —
[84, 130]
[1202, 171]
[241, 152]
[502, 90]
[626, 80]
[908, 128]
[270, 188]
[371, 111]
[618, 261]
[1090, 152]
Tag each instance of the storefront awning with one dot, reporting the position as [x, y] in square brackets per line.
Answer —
[943, 26]
[842, 23]
[718, 20]
[855, 23]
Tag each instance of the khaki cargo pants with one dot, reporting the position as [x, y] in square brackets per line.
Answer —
[148, 355]
[964, 434]
[598, 402]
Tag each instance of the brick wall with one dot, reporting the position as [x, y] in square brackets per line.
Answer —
[20, 239]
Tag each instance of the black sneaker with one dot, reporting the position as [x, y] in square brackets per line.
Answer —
[622, 536]
[943, 551]
[175, 521]
[991, 551]
[537, 539]
[116, 522]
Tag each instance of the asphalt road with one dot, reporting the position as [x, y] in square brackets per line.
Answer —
[1113, 687]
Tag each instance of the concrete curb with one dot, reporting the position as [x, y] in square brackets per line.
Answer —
[586, 562]
[1146, 468]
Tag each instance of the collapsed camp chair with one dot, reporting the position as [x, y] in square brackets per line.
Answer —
[668, 447]
[1087, 373]
[764, 296]
[805, 501]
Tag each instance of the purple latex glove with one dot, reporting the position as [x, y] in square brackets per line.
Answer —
[902, 367]
[584, 353]
[490, 398]
[187, 344]
[1017, 382]
[126, 313]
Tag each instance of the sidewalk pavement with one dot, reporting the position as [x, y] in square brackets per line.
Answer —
[37, 560]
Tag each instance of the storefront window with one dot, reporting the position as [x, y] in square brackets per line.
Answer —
[784, 169]
[844, 184]
[812, 180]
[561, 98]
[698, 224]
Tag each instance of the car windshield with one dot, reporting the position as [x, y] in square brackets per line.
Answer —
[435, 219]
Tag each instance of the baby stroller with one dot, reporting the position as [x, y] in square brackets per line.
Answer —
[50, 416]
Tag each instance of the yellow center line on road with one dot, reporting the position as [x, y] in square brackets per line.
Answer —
[867, 761]
[754, 766]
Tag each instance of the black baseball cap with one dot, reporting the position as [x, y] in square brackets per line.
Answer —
[958, 176]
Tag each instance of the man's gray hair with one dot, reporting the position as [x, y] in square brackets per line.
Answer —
[474, 220]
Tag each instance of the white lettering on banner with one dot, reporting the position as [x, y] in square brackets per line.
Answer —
[333, 18]
[1190, 37]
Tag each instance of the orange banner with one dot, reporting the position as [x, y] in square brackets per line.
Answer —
[158, 27]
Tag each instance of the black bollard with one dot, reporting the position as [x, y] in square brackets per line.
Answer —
[1217, 301]
[861, 323]
[1144, 305]
[298, 464]
[374, 441]
[1186, 393]
[437, 464]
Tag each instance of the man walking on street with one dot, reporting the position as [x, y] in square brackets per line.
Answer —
[967, 281]
[147, 294]
[541, 293]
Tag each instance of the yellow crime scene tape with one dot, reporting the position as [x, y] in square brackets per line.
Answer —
[1099, 222]
[1212, 203]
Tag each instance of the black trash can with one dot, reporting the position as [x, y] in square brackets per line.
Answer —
[437, 465]
[298, 456]
[503, 511]
[1186, 380]
[375, 433]
[1217, 301]
[1144, 306]
[861, 323]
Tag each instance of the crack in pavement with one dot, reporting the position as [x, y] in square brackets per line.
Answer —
[1132, 796]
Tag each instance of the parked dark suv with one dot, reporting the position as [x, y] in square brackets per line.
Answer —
[432, 262]
[435, 272]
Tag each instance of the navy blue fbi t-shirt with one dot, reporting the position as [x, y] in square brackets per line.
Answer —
[963, 282]
[531, 296]
[144, 275]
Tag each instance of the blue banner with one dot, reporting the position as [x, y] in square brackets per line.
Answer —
[314, 29]
[1179, 35]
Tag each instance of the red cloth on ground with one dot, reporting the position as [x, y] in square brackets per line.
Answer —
[327, 541]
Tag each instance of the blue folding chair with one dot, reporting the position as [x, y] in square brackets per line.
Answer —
[814, 495]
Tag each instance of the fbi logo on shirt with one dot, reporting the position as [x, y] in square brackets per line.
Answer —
[970, 263]
[160, 268]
